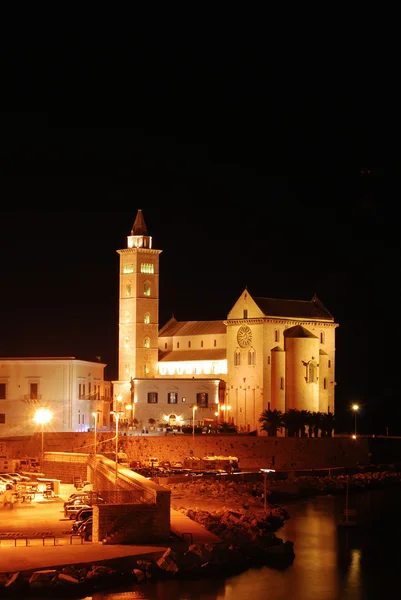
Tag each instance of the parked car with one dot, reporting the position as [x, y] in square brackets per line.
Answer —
[82, 515]
[71, 510]
[85, 530]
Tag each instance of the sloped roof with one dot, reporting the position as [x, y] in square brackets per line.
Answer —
[277, 349]
[175, 328]
[298, 332]
[301, 309]
[139, 226]
[323, 353]
[186, 355]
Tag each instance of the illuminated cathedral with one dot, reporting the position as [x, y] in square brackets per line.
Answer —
[268, 353]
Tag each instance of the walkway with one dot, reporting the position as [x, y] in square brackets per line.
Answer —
[48, 517]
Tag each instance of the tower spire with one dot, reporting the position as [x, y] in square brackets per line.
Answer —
[139, 226]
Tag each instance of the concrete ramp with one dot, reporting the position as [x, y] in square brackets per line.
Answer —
[189, 531]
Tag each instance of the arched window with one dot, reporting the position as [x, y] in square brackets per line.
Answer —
[237, 358]
[322, 337]
[146, 288]
[311, 372]
[147, 342]
[146, 319]
[251, 357]
[325, 383]
[276, 335]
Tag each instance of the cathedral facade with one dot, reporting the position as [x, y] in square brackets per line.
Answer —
[268, 354]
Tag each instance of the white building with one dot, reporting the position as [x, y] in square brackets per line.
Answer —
[71, 389]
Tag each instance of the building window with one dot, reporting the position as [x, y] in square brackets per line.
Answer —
[3, 391]
[128, 268]
[268, 360]
[127, 368]
[178, 345]
[245, 313]
[311, 372]
[146, 369]
[165, 345]
[202, 344]
[147, 342]
[146, 289]
[152, 397]
[215, 343]
[172, 398]
[276, 335]
[81, 391]
[202, 399]
[183, 399]
[325, 383]
[146, 319]
[128, 289]
[33, 391]
[147, 268]
[237, 358]
[251, 357]
[329, 364]
[268, 406]
[189, 344]
[322, 337]
[281, 383]
[2, 418]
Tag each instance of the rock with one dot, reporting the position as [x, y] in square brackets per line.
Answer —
[43, 579]
[65, 579]
[15, 582]
[139, 575]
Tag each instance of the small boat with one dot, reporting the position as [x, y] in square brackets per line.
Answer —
[349, 517]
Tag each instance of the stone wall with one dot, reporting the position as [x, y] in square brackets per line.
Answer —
[253, 451]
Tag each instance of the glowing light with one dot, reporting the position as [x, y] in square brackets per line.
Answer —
[42, 416]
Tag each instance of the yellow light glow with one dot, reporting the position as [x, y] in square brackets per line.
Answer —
[354, 436]
[128, 407]
[42, 416]
[355, 407]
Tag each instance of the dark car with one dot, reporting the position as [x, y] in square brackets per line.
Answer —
[83, 514]
[85, 530]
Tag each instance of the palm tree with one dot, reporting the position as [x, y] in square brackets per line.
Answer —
[292, 422]
[327, 424]
[271, 420]
[315, 419]
[304, 416]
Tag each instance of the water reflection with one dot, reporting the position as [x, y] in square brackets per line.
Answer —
[331, 563]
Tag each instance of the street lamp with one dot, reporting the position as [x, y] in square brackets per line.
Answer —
[355, 408]
[117, 418]
[265, 472]
[42, 416]
[95, 414]
[194, 408]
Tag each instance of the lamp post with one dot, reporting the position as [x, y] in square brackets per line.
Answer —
[117, 417]
[265, 472]
[194, 408]
[355, 408]
[42, 416]
[95, 414]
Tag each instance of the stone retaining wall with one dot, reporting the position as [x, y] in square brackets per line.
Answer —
[253, 451]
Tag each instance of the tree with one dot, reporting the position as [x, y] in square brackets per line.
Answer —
[271, 420]
[327, 424]
[292, 422]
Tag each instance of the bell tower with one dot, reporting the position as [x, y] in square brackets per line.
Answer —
[138, 305]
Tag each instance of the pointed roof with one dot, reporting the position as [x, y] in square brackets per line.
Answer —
[301, 309]
[298, 332]
[139, 226]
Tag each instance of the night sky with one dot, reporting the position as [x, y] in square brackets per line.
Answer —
[226, 218]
